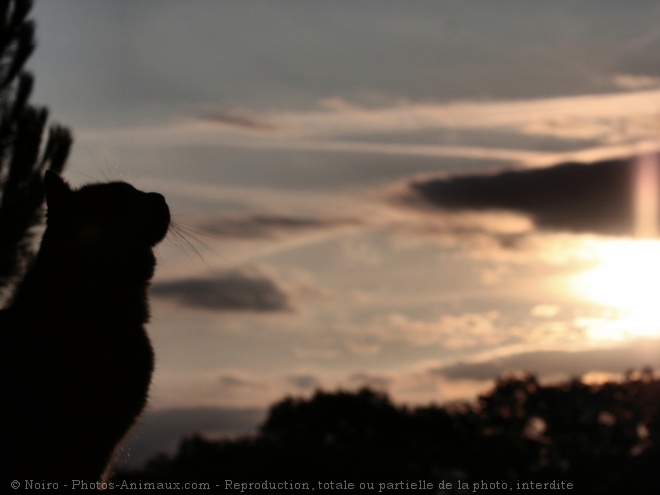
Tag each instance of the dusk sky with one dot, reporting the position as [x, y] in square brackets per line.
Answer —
[372, 193]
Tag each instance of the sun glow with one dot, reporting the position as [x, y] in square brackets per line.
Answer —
[626, 280]
[646, 197]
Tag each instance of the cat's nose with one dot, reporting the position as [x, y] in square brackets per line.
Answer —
[159, 205]
[160, 219]
[156, 196]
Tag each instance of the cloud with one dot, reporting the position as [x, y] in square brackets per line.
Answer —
[596, 117]
[463, 331]
[554, 362]
[231, 291]
[316, 352]
[486, 236]
[545, 310]
[578, 198]
[234, 381]
[267, 225]
[237, 117]
[610, 122]
[304, 381]
[449, 331]
[636, 81]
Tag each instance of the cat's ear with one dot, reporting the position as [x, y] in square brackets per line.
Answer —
[57, 190]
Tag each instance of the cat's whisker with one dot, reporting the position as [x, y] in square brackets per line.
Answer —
[90, 178]
[111, 174]
[93, 159]
[181, 236]
[178, 239]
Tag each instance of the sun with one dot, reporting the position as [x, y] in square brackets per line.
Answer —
[626, 279]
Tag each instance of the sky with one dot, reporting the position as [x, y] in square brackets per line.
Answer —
[415, 196]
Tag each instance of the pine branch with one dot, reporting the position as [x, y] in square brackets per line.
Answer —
[22, 128]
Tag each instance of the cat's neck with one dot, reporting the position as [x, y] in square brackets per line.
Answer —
[111, 284]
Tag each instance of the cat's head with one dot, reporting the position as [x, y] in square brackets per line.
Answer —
[112, 214]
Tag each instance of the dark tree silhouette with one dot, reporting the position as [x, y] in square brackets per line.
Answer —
[601, 438]
[23, 159]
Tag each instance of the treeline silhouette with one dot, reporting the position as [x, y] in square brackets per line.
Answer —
[601, 438]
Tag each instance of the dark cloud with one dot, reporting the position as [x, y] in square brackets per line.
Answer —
[232, 291]
[596, 198]
[236, 382]
[304, 382]
[161, 431]
[237, 117]
[614, 360]
[267, 226]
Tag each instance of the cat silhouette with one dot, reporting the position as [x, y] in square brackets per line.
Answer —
[76, 359]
